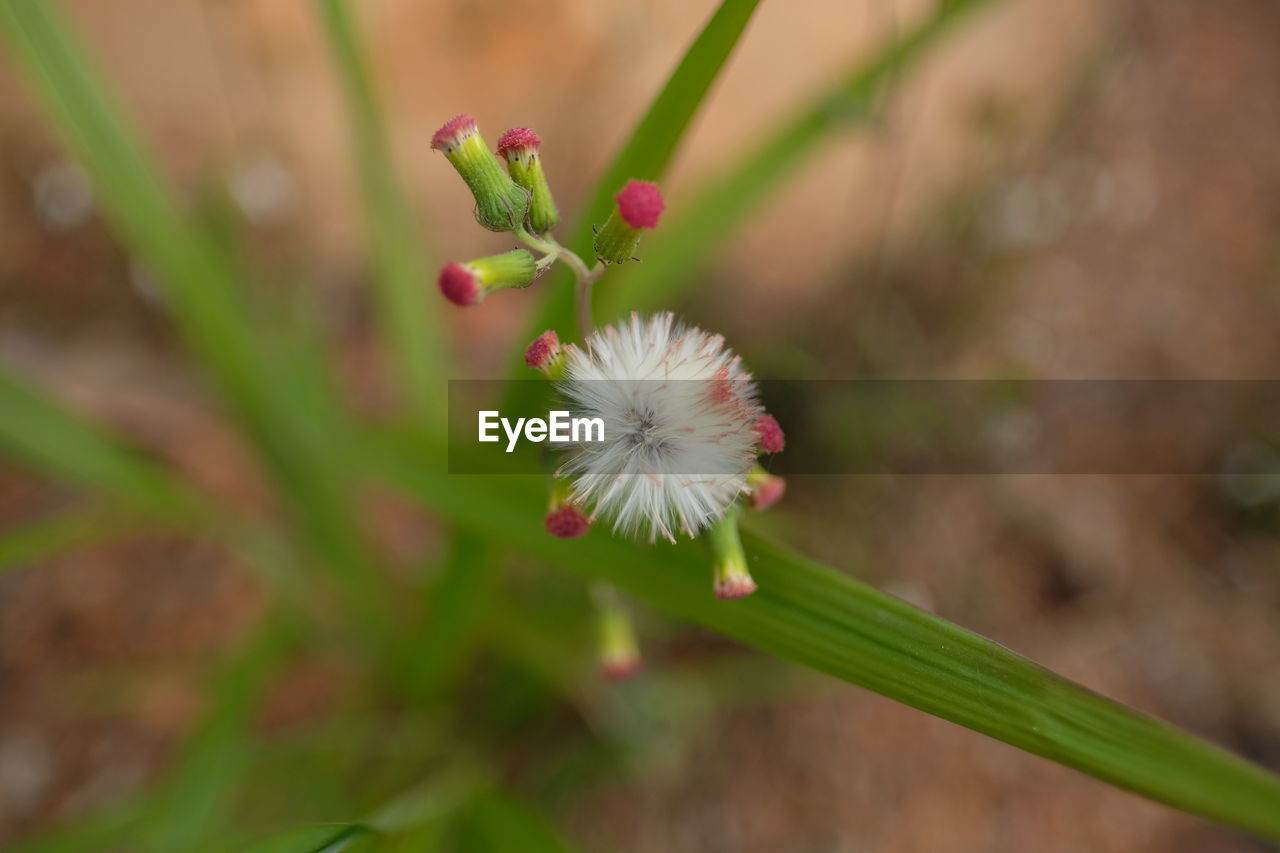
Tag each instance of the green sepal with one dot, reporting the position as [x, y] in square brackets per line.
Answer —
[501, 205]
[516, 268]
[526, 170]
[616, 241]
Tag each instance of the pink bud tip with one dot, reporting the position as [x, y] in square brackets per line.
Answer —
[640, 204]
[454, 130]
[567, 522]
[772, 439]
[543, 350]
[458, 285]
[767, 492]
[516, 139]
[732, 588]
[619, 670]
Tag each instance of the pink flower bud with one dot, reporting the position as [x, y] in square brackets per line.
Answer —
[772, 439]
[567, 522]
[734, 586]
[765, 490]
[619, 669]
[454, 132]
[516, 140]
[640, 204]
[460, 285]
[544, 351]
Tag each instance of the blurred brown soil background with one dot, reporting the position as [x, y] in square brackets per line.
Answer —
[1064, 190]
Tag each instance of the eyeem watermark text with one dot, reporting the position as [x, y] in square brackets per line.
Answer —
[559, 426]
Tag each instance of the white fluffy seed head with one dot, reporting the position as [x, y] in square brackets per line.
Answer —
[679, 415]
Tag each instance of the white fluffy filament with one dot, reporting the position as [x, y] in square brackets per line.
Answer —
[679, 416]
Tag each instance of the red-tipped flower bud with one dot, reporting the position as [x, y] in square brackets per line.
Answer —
[772, 439]
[638, 207]
[567, 522]
[640, 204]
[460, 285]
[468, 283]
[519, 147]
[619, 651]
[501, 205]
[729, 569]
[545, 354]
[764, 489]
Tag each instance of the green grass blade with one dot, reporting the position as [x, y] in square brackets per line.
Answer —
[34, 541]
[817, 617]
[456, 605]
[194, 803]
[496, 823]
[268, 380]
[315, 839]
[680, 250]
[46, 437]
[407, 314]
[649, 150]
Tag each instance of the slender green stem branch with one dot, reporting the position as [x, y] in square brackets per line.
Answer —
[583, 277]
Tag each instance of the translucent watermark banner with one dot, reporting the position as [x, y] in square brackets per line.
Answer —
[1188, 427]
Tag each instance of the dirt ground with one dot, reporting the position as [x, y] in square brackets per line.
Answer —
[1068, 191]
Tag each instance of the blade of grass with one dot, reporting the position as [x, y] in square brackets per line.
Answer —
[418, 813]
[194, 803]
[456, 604]
[315, 839]
[45, 436]
[817, 617]
[648, 150]
[301, 445]
[680, 250]
[408, 316]
[65, 531]
[498, 822]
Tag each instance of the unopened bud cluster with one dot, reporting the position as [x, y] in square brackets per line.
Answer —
[519, 201]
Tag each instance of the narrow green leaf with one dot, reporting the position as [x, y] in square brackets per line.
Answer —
[679, 251]
[193, 803]
[649, 149]
[314, 839]
[38, 540]
[456, 604]
[497, 823]
[45, 436]
[274, 383]
[407, 314]
[811, 615]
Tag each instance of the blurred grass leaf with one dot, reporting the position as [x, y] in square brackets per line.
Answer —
[50, 439]
[817, 617]
[648, 150]
[192, 805]
[61, 532]
[408, 316]
[275, 382]
[679, 251]
[498, 822]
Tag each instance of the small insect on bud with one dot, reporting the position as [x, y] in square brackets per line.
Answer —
[545, 354]
[564, 519]
[638, 207]
[729, 570]
[468, 283]
[772, 439]
[619, 651]
[764, 489]
[501, 205]
[519, 146]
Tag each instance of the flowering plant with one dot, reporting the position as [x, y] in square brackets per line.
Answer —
[684, 425]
